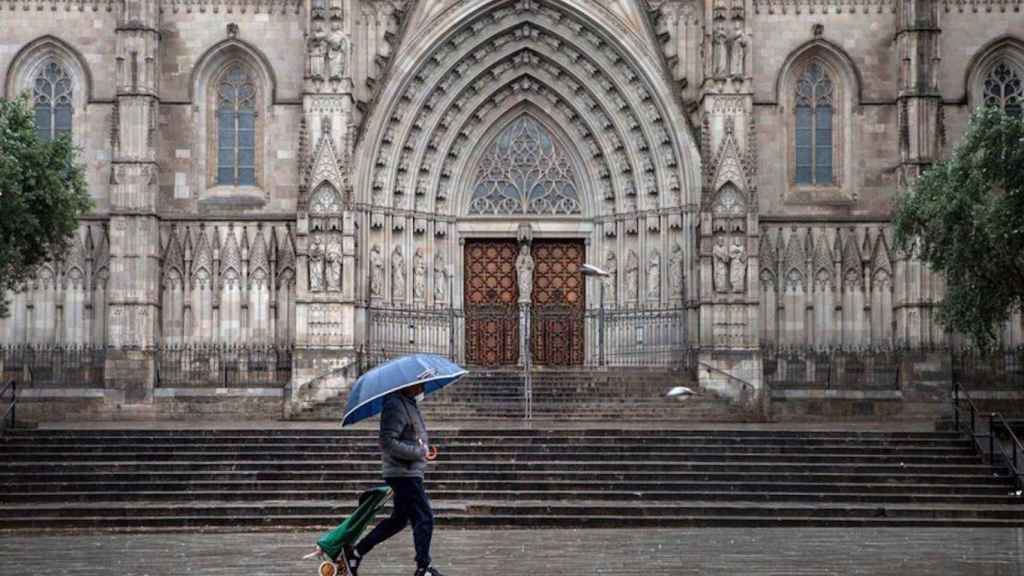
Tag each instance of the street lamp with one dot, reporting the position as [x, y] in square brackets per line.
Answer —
[591, 270]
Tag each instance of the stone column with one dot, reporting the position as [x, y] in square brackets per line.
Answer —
[134, 287]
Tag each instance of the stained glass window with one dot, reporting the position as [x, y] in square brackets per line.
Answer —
[236, 128]
[1003, 88]
[51, 98]
[814, 112]
[525, 171]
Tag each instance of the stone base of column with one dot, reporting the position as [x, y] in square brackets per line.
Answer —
[131, 371]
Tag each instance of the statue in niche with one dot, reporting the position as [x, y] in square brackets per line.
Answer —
[675, 270]
[317, 50]
[376, 272]
[440, 280]
[632, 277]
[654, 276]
[316, 265]
[397, 276]
[337, 49]
[419, 276]
[737, 266]
[721, 53]
[524, 272]
[333, 266]
[739, 52]
[720, 263]
[611, 266]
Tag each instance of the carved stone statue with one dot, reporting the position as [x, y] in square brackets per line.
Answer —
[612, 267]
[440, 280]
[524, 273]
[376, 272]
[720, 256]
[654, 276]
[316, 265]
[675, 270]
[738, 266]
[419, 276]
[738, 56]
[317, 50]
[721, 53]
[337, 50]
[333, 267]
[632, 277]
[397, 276]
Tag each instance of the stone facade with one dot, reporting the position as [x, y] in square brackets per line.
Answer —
[266, 171]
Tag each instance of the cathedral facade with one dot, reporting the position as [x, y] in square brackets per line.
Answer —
[345, 176]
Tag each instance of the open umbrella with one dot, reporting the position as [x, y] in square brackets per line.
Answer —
[367, 396]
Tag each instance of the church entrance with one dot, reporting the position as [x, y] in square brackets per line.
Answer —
[492, 302]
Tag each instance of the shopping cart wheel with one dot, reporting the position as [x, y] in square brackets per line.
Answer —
[328, 569]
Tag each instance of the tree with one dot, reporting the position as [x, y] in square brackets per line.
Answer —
[965, 218]
[42, 196]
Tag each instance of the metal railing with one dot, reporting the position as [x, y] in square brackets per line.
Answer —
[11, 413]
[1001, 369]
[966, 418]
[223, 365]
[54, 365]
[638, 337]
[835, 368]
[394, 332]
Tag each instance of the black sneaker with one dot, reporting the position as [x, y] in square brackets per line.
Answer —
[351, 562]
[428, 571]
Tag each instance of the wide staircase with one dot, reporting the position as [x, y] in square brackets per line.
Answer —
[624, 394]
[523, 478]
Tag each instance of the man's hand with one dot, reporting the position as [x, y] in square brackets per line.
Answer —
[431, 451]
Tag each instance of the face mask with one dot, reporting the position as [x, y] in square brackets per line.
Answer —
[419, 397]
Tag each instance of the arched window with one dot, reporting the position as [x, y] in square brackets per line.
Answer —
[814, 113]
[1002, 87]
[236, 127]
[525, 171]
[52, 100]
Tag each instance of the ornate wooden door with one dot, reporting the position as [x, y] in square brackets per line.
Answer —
[491, 295]
[558, 303]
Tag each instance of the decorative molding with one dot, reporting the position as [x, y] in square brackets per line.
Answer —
[824, 7]
[281, 7]
[986, 6]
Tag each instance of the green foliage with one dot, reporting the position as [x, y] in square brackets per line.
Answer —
[42, 196]
[965, 218]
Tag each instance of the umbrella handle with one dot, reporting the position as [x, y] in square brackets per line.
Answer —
[432, 454]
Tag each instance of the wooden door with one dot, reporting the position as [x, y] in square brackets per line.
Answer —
[558, 303]
[491, 295]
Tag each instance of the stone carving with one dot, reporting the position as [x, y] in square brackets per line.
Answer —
[632, 277]
[419, 276]
[720, 263]
[675, 270]
[738, 56]
[654, 276]
[721, 51]
[612, 267]
[397, 276]
[316, 67]
[738, 266]
[337, 48]
[316, 265]
[440, 280]
[376, 272]
[333, 265]
[524, 274]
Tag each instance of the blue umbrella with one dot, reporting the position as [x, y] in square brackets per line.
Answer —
[367, 396]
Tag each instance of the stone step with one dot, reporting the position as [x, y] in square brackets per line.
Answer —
[543, 434]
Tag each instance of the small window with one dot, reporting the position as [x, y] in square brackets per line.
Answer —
[1003, 88]
[814, 113]
[51, 97]
[236, 128]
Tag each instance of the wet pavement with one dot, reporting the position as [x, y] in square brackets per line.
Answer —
[681, 552]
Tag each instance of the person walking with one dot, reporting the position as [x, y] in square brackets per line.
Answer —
[405, 453]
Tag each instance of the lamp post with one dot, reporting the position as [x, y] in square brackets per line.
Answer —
[601, 274]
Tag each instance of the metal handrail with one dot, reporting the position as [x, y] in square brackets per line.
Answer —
[724, 373]
[11, 412]
[1009, 461]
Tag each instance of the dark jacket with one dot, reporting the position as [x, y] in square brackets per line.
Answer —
[401, 429]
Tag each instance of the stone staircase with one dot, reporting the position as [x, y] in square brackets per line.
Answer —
[262, 479]
[631, 395]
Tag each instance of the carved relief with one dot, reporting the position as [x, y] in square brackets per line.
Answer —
[676, 270]
[654, 276]
[720, 264]
[376, 272]
[610, 284]
[632, 277]
[397, 276]
[440, 280]
[524, 274]
[738, 266]
[419, 276]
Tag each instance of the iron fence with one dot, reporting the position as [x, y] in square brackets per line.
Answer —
[223, 365]
[638, 338]
[800, 367]
[393, 332]
[54, 365]
[1001, 369]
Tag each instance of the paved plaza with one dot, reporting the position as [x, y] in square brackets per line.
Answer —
[711, 552]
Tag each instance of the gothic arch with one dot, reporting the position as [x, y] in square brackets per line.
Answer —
[480, 35]
[1005, 48]
[833, 56]
[211, 67]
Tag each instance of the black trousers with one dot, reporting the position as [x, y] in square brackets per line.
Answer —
[411, 504]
